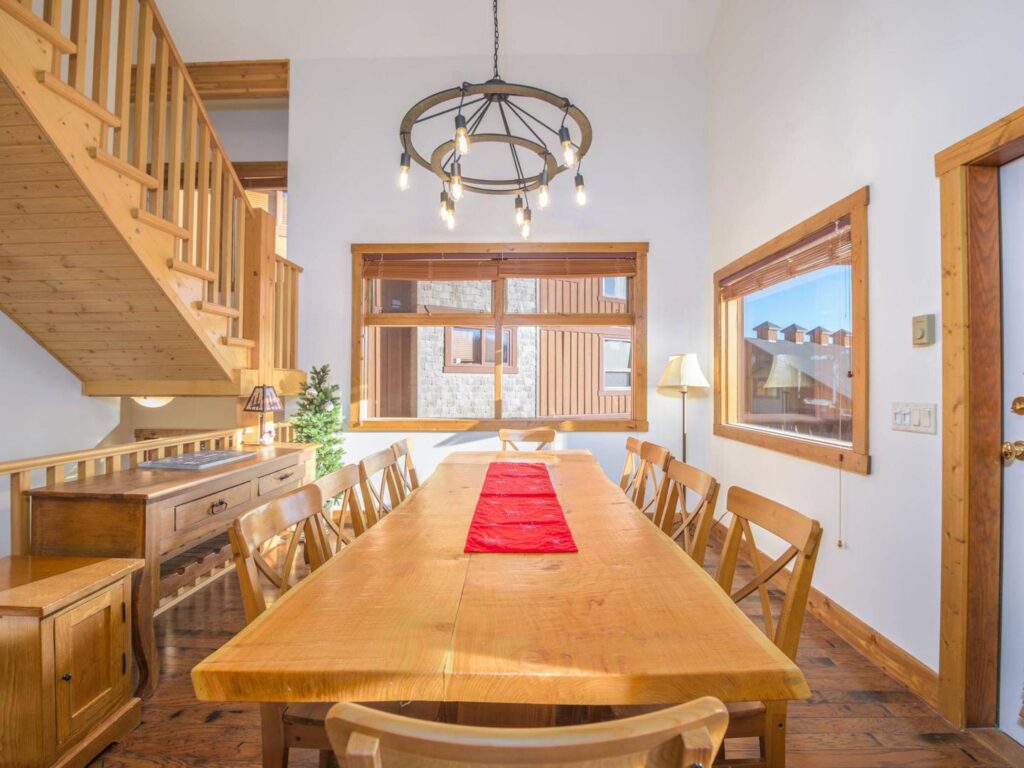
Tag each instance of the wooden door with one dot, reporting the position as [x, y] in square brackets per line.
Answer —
[90, 650]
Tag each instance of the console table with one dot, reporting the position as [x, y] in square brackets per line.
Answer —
[157, 515]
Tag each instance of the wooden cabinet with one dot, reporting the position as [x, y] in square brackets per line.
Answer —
[156, 515]
[65, 658]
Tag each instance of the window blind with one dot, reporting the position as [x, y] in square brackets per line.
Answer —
[828, 247]
[468, 266]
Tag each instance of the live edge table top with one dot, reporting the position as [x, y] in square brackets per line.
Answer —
[404, 614]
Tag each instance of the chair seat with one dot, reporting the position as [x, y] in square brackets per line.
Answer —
[746, 718]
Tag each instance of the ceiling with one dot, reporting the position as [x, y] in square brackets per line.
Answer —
[311, 29]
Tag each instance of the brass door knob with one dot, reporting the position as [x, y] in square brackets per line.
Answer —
[1011, 452]
[1017, 406]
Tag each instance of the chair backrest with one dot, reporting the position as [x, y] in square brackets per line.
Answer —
[405, 468]
[686, 736]
[542, 436]
[695, 524]
[803, 536]
[297, 513]
[379, 482]
[340, 492]
[640, 479]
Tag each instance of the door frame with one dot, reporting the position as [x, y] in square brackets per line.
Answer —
[972, 407]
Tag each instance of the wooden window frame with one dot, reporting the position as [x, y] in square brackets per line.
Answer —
[603, 390]
[493, 254]
[450, 366]
[728, 318]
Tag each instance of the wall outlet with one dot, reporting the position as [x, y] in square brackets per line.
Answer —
[914, 417]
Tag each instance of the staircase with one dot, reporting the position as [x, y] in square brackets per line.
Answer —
[128, 248]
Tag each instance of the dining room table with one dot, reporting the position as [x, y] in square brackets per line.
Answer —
[404, 612]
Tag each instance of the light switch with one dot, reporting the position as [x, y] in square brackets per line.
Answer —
[914, 417]
[923, 327]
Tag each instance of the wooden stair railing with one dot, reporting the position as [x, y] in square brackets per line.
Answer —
[25, 474]
[111, 64]
[286, 313]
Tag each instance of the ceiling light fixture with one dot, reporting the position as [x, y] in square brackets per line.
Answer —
[521, 117]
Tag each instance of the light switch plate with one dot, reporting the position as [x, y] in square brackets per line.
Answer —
[914, 417]
[923, 330]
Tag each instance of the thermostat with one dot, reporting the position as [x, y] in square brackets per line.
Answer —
[924, 330]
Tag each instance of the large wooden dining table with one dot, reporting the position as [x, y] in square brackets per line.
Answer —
[403, 613]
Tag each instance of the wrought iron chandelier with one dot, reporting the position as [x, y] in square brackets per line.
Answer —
[511, 114]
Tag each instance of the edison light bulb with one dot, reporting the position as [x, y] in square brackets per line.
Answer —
[443, 212]
[456, 181]
[450, 215]
[525, 230]
[543, 196]
[568, 151]
[461, 135]
[581, 190]
[519, 210]
[403, 172]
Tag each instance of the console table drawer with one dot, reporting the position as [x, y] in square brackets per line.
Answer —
[202, 509]
[280, 480]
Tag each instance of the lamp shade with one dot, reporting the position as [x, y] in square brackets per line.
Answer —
[681, 372]
[263, 399]
[784, 373]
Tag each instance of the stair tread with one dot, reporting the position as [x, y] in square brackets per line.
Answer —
[236, 341]
[78, 98]
[39, 26]
[216, 309]
[161, 223]
[191, 269]
[125, 169]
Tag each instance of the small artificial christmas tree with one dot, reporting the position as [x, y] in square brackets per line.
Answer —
[318, 419]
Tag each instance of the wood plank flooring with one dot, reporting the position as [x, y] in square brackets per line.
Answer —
[858, 717]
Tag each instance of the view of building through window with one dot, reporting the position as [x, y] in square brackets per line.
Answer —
[796, 359]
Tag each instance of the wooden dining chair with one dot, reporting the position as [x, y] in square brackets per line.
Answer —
[295, 515]
[767, 720]
[542, 436]
[687, 736]
[409, 481]
[380, 484]
[340, 490]
[693, 524]
[640, 479]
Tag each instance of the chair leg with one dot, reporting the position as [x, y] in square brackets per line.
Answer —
[325, 759]
[275, 751]
[775, 734]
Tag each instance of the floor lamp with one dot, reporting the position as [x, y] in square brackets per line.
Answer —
[681, 373]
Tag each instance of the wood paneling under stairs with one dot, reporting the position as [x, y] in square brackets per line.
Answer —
[857, 717]
[69, 279]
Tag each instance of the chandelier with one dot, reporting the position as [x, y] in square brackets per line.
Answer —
[521, 117]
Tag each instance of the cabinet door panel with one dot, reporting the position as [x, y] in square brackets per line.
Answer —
[90, 661]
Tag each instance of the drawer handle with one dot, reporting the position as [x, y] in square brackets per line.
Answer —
[218, 506]
[285, 476]
[66, 677]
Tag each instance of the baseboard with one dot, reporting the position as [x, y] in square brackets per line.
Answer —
[998, 742]
[899, 664]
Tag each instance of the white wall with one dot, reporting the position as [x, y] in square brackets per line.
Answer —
[43, 410]
[645, 178]
[808, 101]
[251, 135]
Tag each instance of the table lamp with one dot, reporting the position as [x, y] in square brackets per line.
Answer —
[681, 373]
[263, 400]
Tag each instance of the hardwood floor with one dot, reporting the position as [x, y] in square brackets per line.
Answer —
[858, 716]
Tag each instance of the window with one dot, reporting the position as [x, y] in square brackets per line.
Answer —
[471, 350]
[460, 337]
[791, 340]
[616, 364]
[614, 288]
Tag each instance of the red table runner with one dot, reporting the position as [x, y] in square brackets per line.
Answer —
[518, 511]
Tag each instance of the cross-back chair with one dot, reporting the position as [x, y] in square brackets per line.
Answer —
[687, 736]
[296, 514]
[409, 481]
[693, 524]
[767, 720]
[340, 489]
[380, 484]
[640, 474]
[543, 437]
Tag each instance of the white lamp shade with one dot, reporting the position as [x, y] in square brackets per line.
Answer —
[784, 373]
[681, 372]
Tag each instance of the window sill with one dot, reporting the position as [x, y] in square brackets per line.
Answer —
[811, 450]
[603, 424]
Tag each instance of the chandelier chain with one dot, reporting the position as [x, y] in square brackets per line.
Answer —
[496, 40]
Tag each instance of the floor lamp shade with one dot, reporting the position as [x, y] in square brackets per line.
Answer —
[681, 373]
